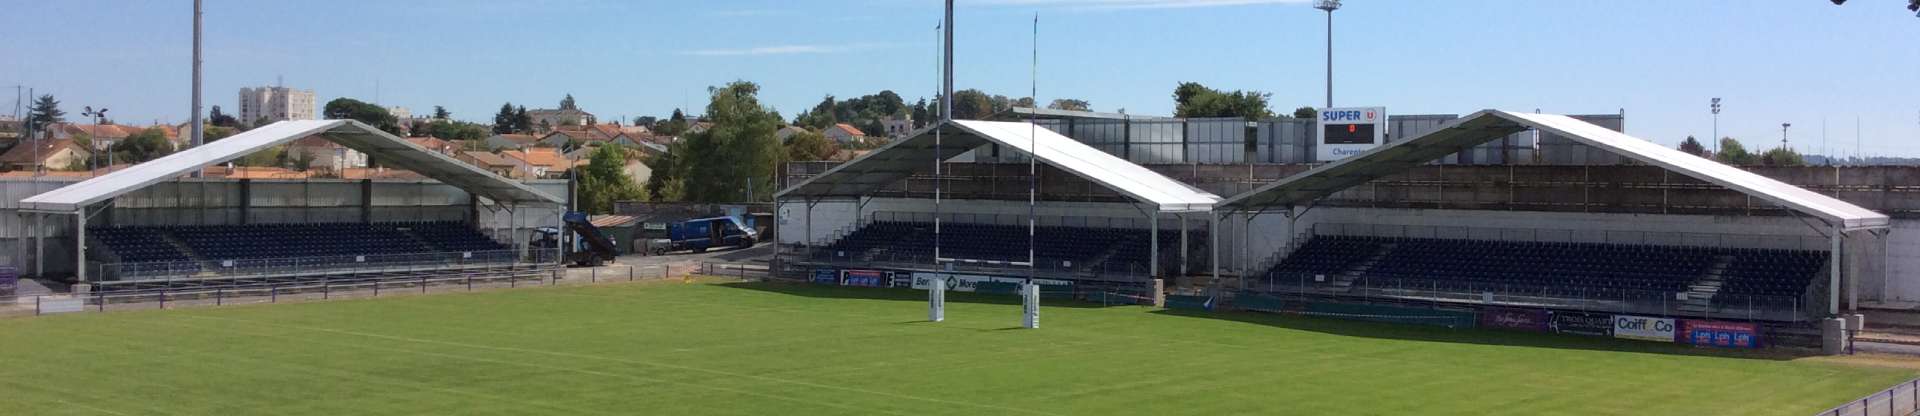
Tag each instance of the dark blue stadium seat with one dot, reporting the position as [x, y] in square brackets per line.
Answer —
[1058, 247]
[216, 243]
[1554, 269]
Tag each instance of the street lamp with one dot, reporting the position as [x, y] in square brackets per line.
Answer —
[1783, 134]
[1329, 6]
[1716, 125]
[98, 116]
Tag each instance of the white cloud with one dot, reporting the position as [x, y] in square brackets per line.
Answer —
[787, 50]
[1134, 4]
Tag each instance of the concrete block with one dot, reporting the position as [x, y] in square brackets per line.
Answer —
[1833, 337]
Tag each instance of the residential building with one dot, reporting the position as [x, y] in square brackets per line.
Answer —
[435, 144]
[326, 155]
[275, 104]
[553, 119]
[538, 162]
[844, 133]
[787, 132]
[897, 127]
[488, 161]
[400, 114]
[54, 154]
[511, 141]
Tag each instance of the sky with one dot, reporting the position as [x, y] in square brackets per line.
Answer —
[1821, 67]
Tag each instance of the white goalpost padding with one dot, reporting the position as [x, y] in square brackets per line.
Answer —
[1030, 294]
[937, 300]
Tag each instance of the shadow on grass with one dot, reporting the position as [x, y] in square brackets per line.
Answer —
[1476, 336]
[917, 295]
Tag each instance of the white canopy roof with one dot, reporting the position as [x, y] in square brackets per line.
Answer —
[1488, 125]
[901, 159]
[385, 148]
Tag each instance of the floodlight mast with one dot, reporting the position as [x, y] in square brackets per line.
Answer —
[1329, 6]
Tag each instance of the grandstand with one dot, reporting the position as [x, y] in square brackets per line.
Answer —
[152, 224]
[1625, 278]
[1067, 244]
[1573, 273]
[1598, 222]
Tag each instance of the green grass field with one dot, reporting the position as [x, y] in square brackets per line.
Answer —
[674, 348]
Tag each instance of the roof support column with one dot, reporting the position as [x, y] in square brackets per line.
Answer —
[1213, 233]
[1183, 243]
[1833, 274]
[80, 245]
[1153, 241]
[39, 245]
[20, 240]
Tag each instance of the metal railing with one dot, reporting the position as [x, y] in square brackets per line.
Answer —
[1548, 235]
[1732, 307]
[229, 292]
[230, 268]
[896, 259]
[1900, 400]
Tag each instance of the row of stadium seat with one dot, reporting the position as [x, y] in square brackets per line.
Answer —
[146, 244]
[1590, 270]
[1074, 248]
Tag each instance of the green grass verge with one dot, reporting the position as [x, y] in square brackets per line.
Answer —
[756, 349]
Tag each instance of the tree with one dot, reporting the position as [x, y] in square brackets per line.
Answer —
[921, 114]
[452, 130]
[971, 104]
[46, 110]
[269, 157]
[259, 121]
[567, 103]
[139, 147]
[218, 132]
[1782, 157]
[1193, 100]
[372, 115]
[645, 121]
[441, 113]
[1306, 112]
[522, 122]
[1732, 153]
[1022, 102]
[503, 120]
[674, 126]
[739, 152]
[1070, 104]
[1693, 147]
[604, 181]
[810, 145]
[221, 119]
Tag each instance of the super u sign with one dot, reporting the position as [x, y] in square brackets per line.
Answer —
[1346, 132]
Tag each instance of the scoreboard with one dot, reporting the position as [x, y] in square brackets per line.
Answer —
[1346, 132]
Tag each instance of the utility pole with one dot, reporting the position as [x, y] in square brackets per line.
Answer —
[1329, 6]
[197, 133]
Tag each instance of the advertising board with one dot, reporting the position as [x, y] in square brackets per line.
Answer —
[1643, 328]
[1720, 334]
[1344, 132]
[1591, 324]
[968, 282]
[863, 278]
[826, 276]
[1535, 320]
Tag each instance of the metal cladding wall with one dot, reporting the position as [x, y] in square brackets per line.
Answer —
[218, 202]
[1285, 140]
[1154, 141]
